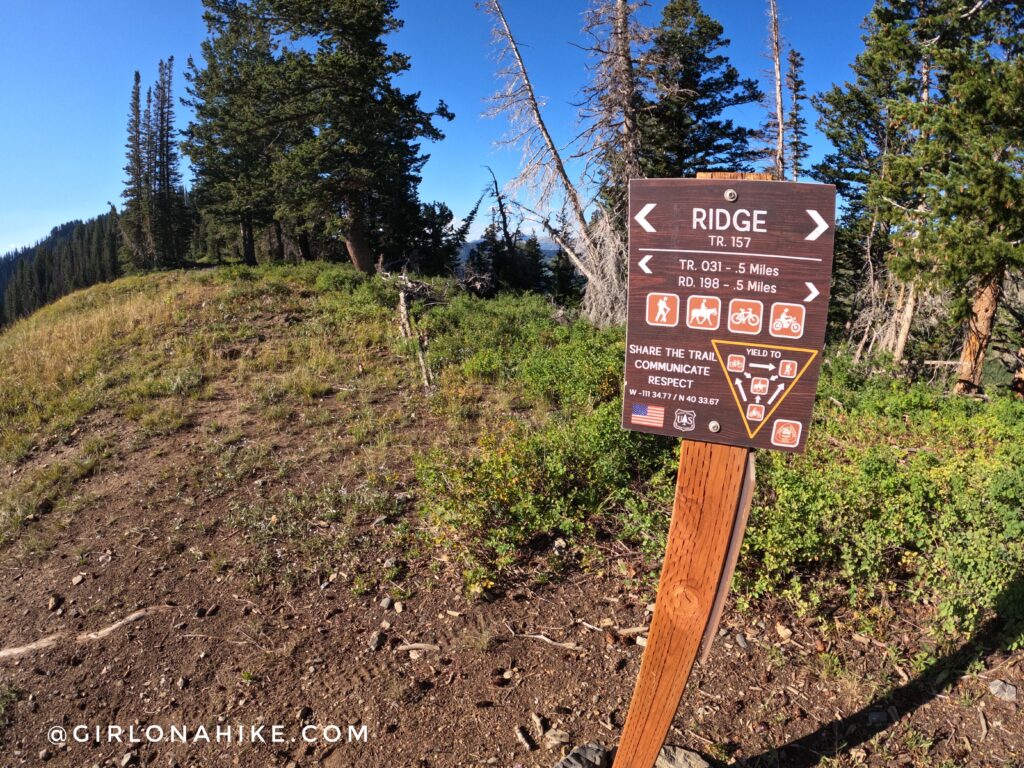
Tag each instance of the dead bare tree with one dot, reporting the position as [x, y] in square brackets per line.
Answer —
[508, 236]
[595, 244]
[610, 141]
[775, 43]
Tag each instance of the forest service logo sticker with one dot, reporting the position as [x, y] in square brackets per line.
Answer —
[686, 421]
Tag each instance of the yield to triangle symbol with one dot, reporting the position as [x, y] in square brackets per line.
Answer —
[761, 376]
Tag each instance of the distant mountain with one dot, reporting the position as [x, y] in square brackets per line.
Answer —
[548, 246]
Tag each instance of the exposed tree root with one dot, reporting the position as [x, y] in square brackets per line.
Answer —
[86, 637]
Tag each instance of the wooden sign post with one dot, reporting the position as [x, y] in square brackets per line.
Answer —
[729, 278]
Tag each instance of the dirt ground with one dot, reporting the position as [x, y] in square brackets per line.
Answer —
[164, 597]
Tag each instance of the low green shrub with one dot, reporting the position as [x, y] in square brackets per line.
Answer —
[903, 492]
[523, 486]
[486, 338]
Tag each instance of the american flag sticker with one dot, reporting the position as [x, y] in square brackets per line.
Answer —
[648, 415]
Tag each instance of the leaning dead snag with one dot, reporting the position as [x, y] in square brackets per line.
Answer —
[405, 326]
[581, 225]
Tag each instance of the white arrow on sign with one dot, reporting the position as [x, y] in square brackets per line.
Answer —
[739, 386]
[641, 218]
[764, 366]
[813, 292]
[822, 225]
[643, 263]
[778, 391]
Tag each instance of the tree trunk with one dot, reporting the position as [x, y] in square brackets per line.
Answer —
[979, 333]
[906, 320]
[1017, 385]
[506, 234]
[358, 248]
[627, 83]
[780, 136]
[248, 243]
[279, 250]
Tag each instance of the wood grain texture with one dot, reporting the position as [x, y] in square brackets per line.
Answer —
[731, 558]
[703, 519]
[735, 175]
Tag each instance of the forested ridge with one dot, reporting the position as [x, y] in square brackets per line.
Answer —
[303, 147]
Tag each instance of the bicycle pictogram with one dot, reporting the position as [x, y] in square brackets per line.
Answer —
[745, 316]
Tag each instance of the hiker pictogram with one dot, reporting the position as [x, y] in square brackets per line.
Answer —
[745, 316]
[768, 375]
[787, 320]
[663, 309]
[703, 313]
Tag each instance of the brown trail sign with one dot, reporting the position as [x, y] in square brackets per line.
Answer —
[728, 301]
[729, 279]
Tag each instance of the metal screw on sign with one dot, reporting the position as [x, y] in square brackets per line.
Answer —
[714, 426]
[731, 196]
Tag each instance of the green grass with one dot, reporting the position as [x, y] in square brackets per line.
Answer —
[8, 698]
[148, 349]
[299, 537]
[45, 489]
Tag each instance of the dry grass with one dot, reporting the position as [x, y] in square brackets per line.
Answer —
[56, 364]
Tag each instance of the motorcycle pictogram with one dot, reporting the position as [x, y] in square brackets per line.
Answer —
[787, 322]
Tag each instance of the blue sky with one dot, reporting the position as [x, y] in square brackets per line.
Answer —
[66, 70]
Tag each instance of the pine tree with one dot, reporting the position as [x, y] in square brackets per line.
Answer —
[857, 118]
[169, 209]
[155, 222]
[962, 227]
[532, 272]
[482, 257]
[683, 130]
[232, 143]
[565, 282]
[796, 123]
[357, 169]
[135, 216]
[437, 242]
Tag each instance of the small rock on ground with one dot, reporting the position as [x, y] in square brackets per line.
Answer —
[596, 755]
[1003, 690]
[677, 757]
[592, 755]
[554, 738]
